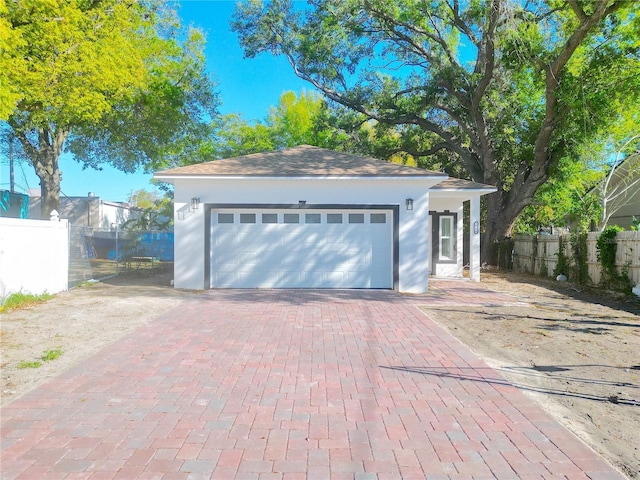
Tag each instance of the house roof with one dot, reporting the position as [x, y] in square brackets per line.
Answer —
[301, 161]
[457, 184]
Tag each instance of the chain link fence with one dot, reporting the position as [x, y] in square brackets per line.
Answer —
[96, 254]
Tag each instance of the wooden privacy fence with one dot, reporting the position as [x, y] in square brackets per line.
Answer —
[539, 254]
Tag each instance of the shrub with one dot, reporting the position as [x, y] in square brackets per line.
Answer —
[607, 248]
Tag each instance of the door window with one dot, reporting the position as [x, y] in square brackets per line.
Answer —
[446, 238]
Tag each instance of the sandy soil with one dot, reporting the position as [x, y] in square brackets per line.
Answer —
[575, 353]
[80, 323]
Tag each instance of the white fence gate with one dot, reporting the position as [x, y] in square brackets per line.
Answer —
[34, 256]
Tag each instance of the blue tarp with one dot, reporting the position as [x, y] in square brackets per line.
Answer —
[149, 244]
[157, 244]
[14, 205]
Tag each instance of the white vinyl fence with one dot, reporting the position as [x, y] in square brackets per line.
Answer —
[34, 256]
[538, 254]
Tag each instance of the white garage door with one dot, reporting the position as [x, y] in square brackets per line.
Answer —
[301, 248]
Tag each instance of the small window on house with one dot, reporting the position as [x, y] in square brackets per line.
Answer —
[446, 238]
[269, 218]
[247, 218]
[225, 218]
[312, 218]
[291, 218]
[356, 218]
[334, 218]
[378, 218]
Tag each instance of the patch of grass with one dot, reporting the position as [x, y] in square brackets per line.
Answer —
[21, 300]
[50, 355]
[24, 364]
[47, 356]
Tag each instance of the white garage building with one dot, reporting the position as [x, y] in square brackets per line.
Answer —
[308, 217]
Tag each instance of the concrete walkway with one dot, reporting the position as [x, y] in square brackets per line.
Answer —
[291, 385]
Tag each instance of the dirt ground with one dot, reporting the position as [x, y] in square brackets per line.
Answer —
[575, 352]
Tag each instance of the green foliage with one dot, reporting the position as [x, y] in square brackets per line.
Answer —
[165, 123]
[607, 248]
[293, 119]
[564, 200]
[562, 265]
[51, 355]
[29, 364]
[47, 356]
[152, 213]
[635, 224]
[22, 300]
[9, 39]
[544, 270]
[296, 120]
[114, 81]
[238, 137]
[580, 271]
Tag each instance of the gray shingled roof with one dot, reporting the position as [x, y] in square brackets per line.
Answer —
[459, 184]
[301, 161]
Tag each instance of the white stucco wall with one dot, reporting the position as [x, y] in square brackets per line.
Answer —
[34, 256]
[414, 246]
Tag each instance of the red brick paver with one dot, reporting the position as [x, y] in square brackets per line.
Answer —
[290, 385]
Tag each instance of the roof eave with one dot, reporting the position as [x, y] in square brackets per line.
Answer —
[161, 176]
[481, 191]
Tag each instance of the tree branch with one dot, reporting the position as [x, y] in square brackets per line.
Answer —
[543, 159]
[458, 22]
[577, 9]
[421, 153]
[486, 54]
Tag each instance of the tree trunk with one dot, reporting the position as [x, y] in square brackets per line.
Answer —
[43, 147]
[49, 187]
[502, 213]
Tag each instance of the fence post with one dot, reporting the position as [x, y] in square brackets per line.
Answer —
[534, 253]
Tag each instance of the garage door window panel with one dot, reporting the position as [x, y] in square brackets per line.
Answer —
[356, 218]
[269, 218]
[312, 218]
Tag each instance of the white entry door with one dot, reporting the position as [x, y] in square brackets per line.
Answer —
[303, 248]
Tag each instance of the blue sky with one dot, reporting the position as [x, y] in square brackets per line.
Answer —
[248, 87]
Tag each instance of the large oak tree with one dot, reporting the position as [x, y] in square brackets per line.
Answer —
[505, 89]
[111, 81]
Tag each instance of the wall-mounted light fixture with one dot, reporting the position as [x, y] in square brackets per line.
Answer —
[195, 203]
[409, 203]
[301, 203]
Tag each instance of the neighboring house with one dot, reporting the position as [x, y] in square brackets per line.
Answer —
[89, 211]
[307, 217]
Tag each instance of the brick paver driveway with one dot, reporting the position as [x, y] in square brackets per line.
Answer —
[290, 385]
